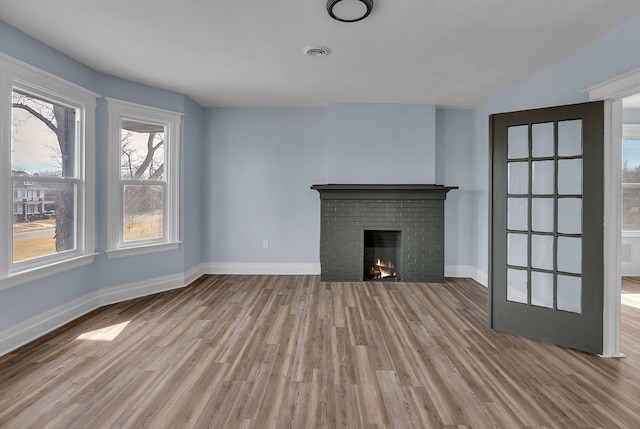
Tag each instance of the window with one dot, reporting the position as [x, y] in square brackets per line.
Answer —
[143, 179]
[46, 162]
[631, 179]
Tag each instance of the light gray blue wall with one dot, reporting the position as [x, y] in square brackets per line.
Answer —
[564, 83]
[261, 162]
[259, 165]
[454, 165]
[246, 172]
[381, 143]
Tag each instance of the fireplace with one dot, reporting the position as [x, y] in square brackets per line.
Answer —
[402, 225]
[381, 255]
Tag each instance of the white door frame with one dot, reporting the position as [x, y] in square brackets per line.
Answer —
[613, 91]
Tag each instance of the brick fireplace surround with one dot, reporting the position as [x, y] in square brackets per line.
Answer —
[417, 211]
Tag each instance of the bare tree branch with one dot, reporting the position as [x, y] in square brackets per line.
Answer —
[38, 115]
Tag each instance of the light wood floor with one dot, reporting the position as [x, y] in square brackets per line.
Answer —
[290, 351]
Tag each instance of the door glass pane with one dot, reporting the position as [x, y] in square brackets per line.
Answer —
[518, 215]
[543, 177]
[542, 214]
[542, 140]
[44, 215]
[570, 293]
[518, 146]
[517, 249]
[542, 289]
[570, 177]
[516, 285]
[570, 138]
[542, 251]
[518, 182]
[570, 215]
[143, 212]
[570, 254]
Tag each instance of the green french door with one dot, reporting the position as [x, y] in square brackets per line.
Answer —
[546, 238]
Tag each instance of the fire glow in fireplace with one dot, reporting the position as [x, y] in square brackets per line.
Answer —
[382, 232]
[381, 249]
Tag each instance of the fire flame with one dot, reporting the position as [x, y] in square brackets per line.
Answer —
[382, 269]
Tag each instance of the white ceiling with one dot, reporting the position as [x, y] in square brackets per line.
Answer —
[454, 53]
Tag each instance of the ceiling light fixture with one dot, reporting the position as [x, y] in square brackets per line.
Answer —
[349, 10]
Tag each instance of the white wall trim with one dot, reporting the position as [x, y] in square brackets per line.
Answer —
[466, 271]
[22, 333]
[612, 91]
[612, 240]
[261, 268]
[31, 329]
[125, 292]
[617, 87]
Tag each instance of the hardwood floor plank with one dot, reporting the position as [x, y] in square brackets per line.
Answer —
[262, 352]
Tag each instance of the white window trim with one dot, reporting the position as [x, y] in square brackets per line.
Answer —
[116, 247]
[14, 73]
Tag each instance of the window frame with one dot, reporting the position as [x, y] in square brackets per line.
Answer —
[116, 246]
[17, 75]
[630, 131]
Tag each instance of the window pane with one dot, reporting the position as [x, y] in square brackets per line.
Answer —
[542, 252]
[542, 140]
[42, 137]
[570, 293]
[543, 177]
[542, 213]
[631, 209]
[518, 177]
[570, 176]
[518, 145]
[517, 249]
[631, 160]
[570, 215]
[43, 219]
[542, 289]
[517, 213]
[517, 285]
[143, 212]
[141, 150]
[570, 138]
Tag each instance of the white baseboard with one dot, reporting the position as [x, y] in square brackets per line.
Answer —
[29, 330]
[261, 268]
[116, 294]
[467, 271]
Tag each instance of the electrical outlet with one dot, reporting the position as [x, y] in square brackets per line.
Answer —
[265, 244]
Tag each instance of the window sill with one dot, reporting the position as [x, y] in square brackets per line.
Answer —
[124, 252]
[45, 271]
[630, 234]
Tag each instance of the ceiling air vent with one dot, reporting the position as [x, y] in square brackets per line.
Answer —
[316, 51]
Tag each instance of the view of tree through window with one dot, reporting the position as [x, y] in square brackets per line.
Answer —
[142, 161]
[631, 184]
[43, 144]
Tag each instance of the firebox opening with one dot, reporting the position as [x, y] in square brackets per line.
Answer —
[381, 255]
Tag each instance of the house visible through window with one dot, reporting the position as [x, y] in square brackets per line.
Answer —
[144, 148]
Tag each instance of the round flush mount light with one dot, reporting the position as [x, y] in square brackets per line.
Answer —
[349, 10]
[316, 51]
